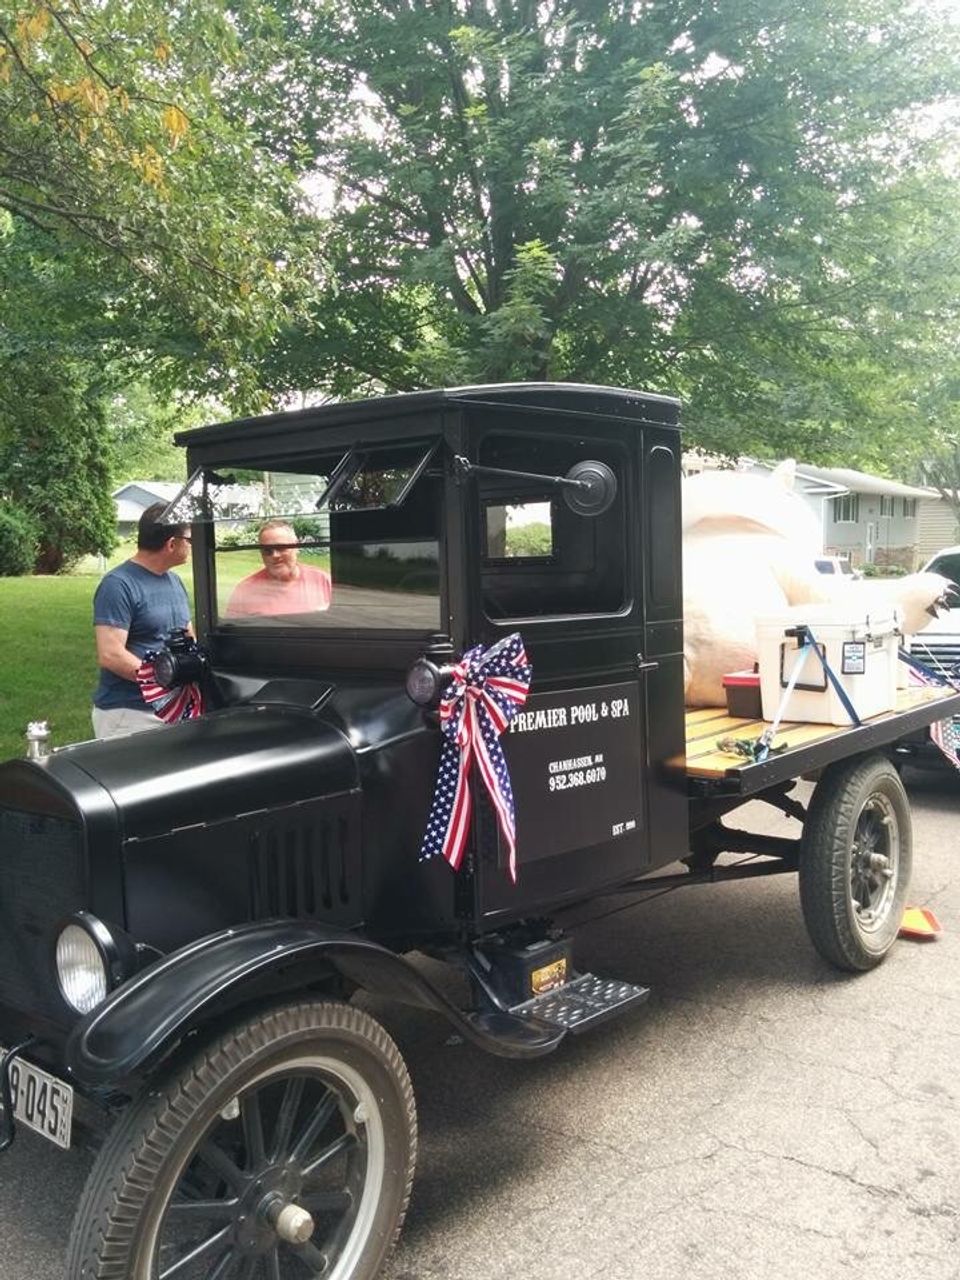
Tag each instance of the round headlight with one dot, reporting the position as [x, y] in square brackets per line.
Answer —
[423, 683]
[426, 682]
[81, 969]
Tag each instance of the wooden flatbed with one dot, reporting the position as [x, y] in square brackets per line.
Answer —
[808, 746]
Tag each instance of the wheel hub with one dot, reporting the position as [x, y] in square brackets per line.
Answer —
[263, 1214]
[873, 863]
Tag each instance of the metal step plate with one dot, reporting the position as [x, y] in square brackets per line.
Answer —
[583, 1002]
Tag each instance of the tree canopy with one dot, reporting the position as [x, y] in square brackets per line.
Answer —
[732, 203]
[124, 134]
[752, 206]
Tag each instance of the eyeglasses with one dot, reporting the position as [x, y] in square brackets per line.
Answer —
[185, 537]
[278, 549]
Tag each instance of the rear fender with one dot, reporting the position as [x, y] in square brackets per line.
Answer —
[140, 1025]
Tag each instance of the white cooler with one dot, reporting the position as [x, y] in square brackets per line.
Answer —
[861, 651]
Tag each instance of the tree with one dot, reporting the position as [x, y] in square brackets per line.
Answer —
[940, 464]
[942, 471]
[141, 426]
[115, 137]
[55, 460]
[696, 198]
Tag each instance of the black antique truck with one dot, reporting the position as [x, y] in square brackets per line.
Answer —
[186, 913]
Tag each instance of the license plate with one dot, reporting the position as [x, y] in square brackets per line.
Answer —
[41, 1101]
[549, 977]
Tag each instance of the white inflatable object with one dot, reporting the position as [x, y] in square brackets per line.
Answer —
[749, 543]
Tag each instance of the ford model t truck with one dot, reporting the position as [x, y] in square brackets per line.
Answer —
[187, 912]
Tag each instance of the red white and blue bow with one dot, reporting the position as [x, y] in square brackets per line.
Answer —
[486, 691]
[183, 702]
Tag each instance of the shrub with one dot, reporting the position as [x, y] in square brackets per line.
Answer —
[237, 537]
[19, 538]
[883, 570]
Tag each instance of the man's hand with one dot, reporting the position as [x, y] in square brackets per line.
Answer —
[113, 654]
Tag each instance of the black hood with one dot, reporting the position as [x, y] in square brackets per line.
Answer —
[226, 764]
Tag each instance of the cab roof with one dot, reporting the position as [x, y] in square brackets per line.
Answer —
[560, 397]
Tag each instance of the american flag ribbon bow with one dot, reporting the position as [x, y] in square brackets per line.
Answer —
[486, 691]
[182, 702]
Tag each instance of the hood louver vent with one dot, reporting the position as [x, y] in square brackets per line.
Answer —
[304, 868]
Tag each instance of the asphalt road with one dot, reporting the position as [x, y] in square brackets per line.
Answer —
[762, 1116]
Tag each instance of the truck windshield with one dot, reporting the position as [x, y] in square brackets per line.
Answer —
[347, 541]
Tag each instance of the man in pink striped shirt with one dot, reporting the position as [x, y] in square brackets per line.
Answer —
[283, 585]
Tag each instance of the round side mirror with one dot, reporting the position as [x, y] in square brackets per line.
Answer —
[593, 488]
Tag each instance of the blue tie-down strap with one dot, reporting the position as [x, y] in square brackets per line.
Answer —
[763, 746]
[837, 686]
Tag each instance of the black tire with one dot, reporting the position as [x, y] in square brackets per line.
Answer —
[855, 862]
[305, 1106]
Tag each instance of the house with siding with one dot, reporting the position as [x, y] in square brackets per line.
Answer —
[133, 498]
[936, 527]
[869, 519]
[866, 519]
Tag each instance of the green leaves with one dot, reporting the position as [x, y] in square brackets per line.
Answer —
[733, 203]
[120, 134]
[55, 459]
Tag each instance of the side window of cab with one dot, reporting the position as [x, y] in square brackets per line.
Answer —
[539, 557]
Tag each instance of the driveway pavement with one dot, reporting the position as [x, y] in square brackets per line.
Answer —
[762, 1117]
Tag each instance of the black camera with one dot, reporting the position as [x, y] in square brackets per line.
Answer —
[181, 661]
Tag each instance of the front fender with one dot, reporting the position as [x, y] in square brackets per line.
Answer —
[141, 1023]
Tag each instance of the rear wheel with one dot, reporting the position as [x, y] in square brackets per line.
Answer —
[284, 1150]
[855, 862]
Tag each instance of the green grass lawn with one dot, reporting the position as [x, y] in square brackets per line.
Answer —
[47, 665]
[48, 670]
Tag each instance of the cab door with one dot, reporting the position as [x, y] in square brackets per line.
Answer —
[571, 585]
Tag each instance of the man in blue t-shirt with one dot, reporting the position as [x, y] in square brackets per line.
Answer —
[135, 608]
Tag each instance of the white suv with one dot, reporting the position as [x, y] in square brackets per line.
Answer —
[836, 565]
[938, 644]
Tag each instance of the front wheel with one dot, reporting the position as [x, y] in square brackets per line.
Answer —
[855, 862]
[283, 1150]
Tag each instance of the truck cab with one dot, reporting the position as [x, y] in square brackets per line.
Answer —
[442, 523]
[222, 885]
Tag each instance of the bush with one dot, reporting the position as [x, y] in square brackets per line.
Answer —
[19, 537]
[307, 529]
[237, 537]
[882, 570]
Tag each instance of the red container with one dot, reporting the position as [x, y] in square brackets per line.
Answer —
[743, 695]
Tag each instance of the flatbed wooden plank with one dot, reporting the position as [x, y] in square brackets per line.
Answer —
[792, 734]
[702, 732]
[722, 727]
[700, 714]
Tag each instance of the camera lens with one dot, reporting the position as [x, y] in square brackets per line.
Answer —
[165, 669]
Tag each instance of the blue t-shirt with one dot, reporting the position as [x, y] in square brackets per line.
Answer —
[148, 606]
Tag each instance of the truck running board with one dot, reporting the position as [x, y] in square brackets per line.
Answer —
[583, 1002]
[529, 996]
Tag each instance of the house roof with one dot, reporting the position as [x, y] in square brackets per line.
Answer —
[161, 490]
[128, 512]
[132, 498]
[862, 482]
